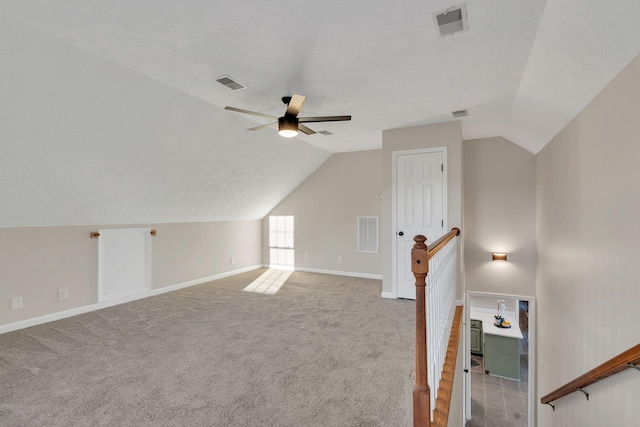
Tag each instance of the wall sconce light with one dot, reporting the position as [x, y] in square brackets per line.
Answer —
[499, 256]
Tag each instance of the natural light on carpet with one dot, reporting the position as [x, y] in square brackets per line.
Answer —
[269, 283]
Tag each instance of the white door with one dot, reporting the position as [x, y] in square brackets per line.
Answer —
[420, 209]
[124, 262]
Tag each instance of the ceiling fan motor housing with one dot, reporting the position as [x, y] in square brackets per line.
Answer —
[288, 125]
[288, 122]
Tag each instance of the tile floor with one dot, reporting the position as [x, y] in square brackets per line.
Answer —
[498, 402]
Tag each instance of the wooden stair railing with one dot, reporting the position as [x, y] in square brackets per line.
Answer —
[619, 363]
[420, 255]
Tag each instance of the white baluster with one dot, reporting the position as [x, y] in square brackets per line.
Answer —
[440, 295]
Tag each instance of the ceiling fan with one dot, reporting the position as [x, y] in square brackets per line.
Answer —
[290, 123]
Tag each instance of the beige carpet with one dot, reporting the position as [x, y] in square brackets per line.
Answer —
[323, 351]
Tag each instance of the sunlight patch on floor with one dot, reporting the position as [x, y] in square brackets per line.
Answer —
[269, 283]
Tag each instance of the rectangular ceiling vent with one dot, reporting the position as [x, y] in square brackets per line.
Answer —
[230, 83]
[325, 132]
[460, 113]
[452, 20]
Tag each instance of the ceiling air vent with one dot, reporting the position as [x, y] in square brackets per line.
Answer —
[451, 20]
[230, 83]
[325, 132]
[460, 113]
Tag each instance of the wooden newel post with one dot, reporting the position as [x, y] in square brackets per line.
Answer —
[420, 269]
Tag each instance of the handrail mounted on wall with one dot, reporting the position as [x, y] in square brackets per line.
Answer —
[619, 363]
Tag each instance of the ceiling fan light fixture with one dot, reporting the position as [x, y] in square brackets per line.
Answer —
[288, 126]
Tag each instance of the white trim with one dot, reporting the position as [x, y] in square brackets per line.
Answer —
[445, 206]
[100, 305]
[532, 350]
[340, 273]
[389, 295]
[279, 267]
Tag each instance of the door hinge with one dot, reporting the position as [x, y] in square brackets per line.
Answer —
[442, 167]
[442, 223]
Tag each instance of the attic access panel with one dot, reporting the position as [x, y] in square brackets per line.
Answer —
[452, 20]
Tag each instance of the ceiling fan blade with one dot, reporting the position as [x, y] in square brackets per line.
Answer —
[295, 105]
[264, 126]
[302, 128]
[324, 119]
[240, 110]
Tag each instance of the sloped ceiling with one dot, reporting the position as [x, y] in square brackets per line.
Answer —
[110, 112]
[86, 141]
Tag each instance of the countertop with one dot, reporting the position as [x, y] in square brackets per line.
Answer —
[488, 327]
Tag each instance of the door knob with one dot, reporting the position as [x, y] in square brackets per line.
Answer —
[401, 233]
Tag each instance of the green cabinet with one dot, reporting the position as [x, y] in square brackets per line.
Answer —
[502, 356]
[476, 336]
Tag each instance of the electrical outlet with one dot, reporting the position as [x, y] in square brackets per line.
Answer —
[232, 261]
[63, 294]
[16, 303]
[339, 258]
[306, 255]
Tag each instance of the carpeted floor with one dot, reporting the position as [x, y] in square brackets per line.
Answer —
[323, 351]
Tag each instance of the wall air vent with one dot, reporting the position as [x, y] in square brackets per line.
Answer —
[325, 132]
[460, 113]
[230, 83]
[368, 234]
[452, 20]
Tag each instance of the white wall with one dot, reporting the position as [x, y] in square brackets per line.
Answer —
[499, 216]
[491, 303]
[439, 135]
[588, 210]
[36, 262]
[326, 207]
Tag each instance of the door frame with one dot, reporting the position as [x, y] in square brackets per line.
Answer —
[394, 243]
[466, 401]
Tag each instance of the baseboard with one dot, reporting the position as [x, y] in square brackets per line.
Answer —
[340, 273]
[202, 280]
[389, 295]
[97, 306]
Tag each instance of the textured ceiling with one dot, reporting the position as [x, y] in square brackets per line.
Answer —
[81, 77]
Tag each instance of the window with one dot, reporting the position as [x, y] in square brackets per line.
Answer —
[281, 251]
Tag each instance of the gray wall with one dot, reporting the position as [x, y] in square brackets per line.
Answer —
[588, 211]
[439, 135]
[326, 207]
[37, 261]
[499, 216]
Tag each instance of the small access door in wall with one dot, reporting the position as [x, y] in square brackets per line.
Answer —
[124, 262]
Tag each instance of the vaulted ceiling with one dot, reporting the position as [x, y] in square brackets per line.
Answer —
[110, 112]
